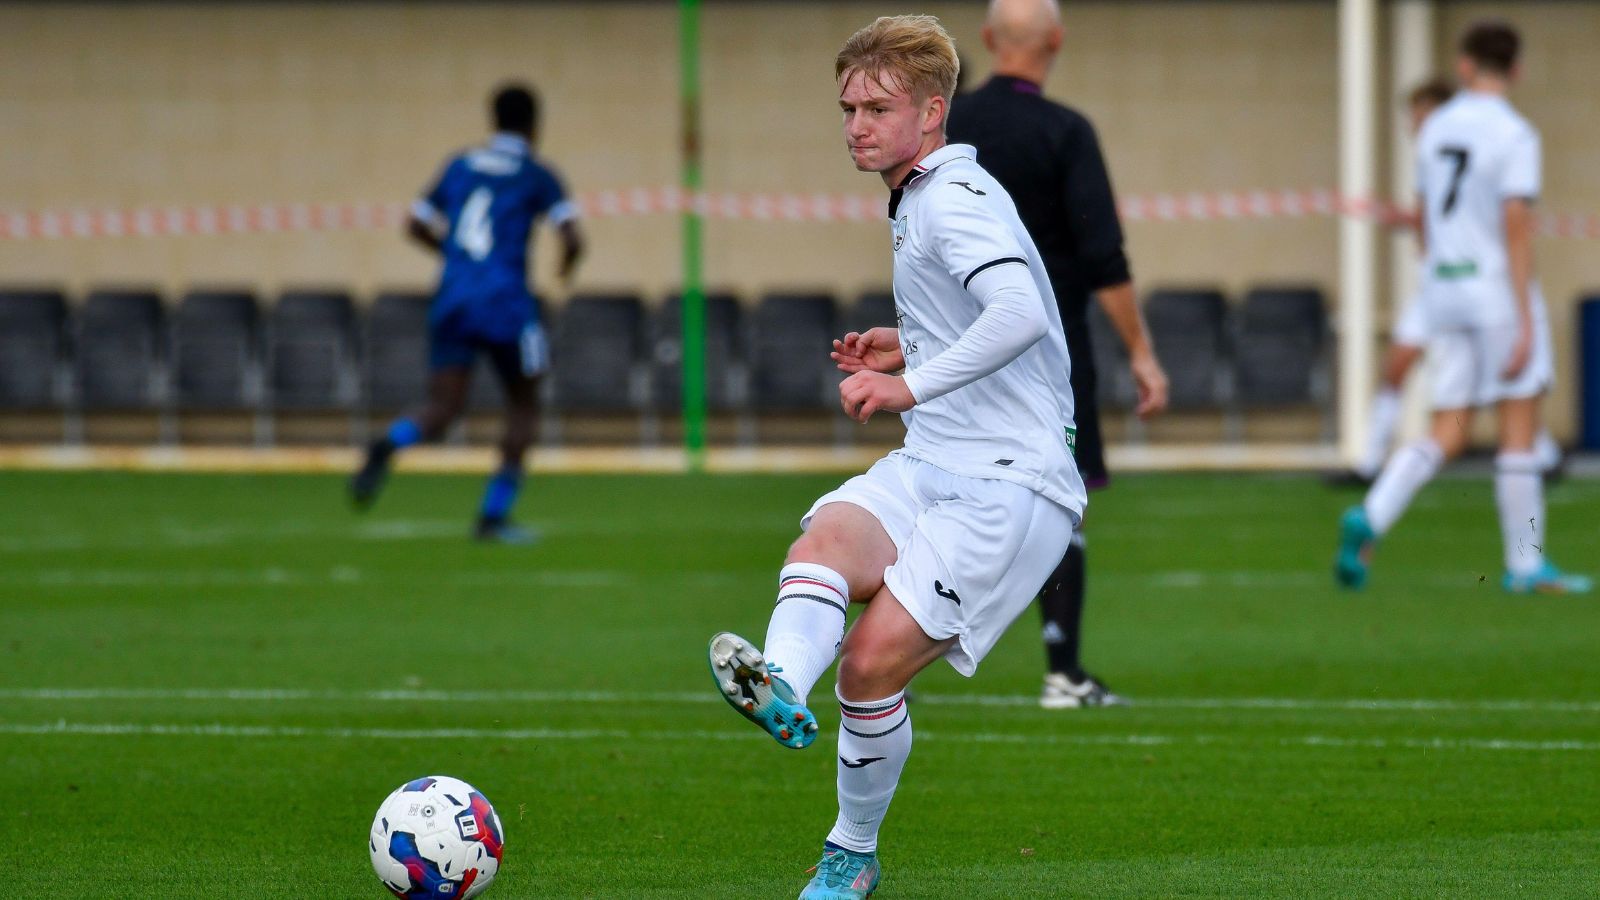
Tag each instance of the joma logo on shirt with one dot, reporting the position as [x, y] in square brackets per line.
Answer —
[900, 228]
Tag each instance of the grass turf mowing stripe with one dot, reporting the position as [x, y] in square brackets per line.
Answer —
[513, 696]
[112, 729]
[279, 576]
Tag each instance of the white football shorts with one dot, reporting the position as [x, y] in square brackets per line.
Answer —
[972, 553]
[1467, 362]
[1411, 328]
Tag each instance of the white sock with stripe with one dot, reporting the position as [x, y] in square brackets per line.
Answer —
[807, 624]
[874, 742]
[1411, 467]
[1519, 495]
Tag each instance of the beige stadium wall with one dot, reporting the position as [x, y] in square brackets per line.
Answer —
[171, 104]
[124, 105]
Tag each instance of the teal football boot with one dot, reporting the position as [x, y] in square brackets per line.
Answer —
[1356, 540]
[749, 685]
[843, 875]
[1547, 580]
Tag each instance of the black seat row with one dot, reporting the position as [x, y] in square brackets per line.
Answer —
[1269, 350]
[317, 350]
[611, 353]
[123, 349]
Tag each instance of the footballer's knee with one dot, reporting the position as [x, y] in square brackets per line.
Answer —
[814, 546]
[1397, 364]
[867, 673]
[1451, 440]
[828, 547]
[436, 418]
[882, 654]
[513, 448]
[848, 539]
[521, 421]
[824, 543]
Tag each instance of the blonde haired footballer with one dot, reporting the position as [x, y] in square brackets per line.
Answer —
[947, 539]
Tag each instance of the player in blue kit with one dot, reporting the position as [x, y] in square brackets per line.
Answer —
[479, 216]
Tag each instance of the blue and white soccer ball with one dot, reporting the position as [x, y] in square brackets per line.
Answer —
[436, 837]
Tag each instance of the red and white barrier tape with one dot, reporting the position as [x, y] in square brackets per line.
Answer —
[298, 217]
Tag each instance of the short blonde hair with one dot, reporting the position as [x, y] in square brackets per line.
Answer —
[915, 51]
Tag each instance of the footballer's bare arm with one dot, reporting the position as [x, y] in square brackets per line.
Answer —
[1122, 308]
[425, 233]
[1518, 214]
[572, 247]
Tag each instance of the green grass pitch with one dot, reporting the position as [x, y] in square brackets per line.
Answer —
[208, 683]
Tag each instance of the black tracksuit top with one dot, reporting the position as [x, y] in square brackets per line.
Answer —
[1048, 159]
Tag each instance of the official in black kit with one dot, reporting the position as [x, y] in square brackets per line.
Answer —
[1047, 157]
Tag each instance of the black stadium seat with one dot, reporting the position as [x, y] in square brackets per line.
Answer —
[396, 359]
[871, 310]
[120, 349]
[32, 347]
[1281, 333]
[790, 336]
[312, 351]
[724, 354]
[216, 349]
[1188, 328]
[596, 346]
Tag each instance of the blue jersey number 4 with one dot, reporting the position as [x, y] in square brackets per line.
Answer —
[474, 229]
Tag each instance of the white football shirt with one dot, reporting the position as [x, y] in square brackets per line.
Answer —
[950, 221]
[1474, 153]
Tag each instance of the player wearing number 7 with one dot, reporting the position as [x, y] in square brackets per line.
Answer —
[1478, 174]
[479, 216]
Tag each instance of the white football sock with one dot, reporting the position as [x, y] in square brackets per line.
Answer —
[1411, 467]
[807, 624]
[874, 741]
[1548, 451]
[1380, 431]
[1519, 494]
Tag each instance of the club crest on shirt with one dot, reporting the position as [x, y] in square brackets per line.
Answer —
[899, 232]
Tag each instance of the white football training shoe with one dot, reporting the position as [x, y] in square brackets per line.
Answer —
[1061, 692]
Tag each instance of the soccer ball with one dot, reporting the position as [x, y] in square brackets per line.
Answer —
[436, 837]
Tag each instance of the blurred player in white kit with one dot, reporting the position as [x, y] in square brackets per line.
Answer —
[1478, 175]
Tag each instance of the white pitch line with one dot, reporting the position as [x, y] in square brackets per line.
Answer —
[422, 695]
[135, 729]
[275, 731]
[377, 696]
[1297, 703]
[336, 576]
[339, 576]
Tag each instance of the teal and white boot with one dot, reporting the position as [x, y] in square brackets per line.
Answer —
[1356, 540]
[1547, 580]
[843, 875]
[751, 687]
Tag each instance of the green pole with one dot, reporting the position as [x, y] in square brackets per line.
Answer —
[694, 294]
